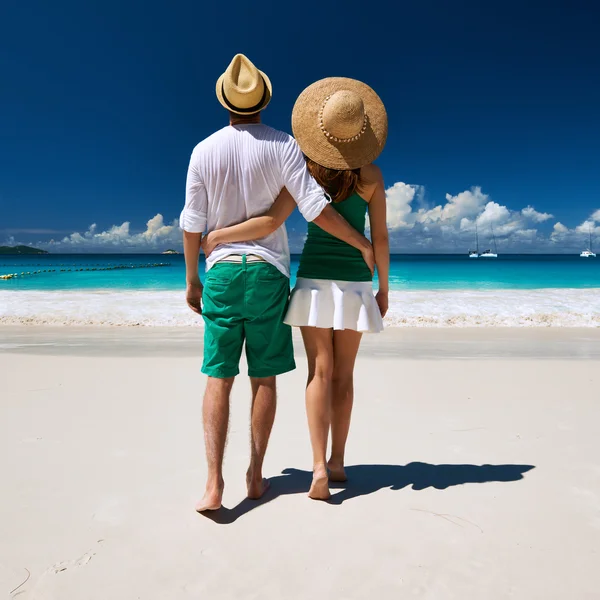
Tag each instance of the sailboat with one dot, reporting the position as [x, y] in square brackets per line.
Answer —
[588, 253]
[475, 253]
[488, 253]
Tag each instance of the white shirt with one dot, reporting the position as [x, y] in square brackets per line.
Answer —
[236, 174]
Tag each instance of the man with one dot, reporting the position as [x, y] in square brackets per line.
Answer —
[236, 174]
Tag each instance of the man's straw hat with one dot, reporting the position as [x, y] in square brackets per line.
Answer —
[340, 123]
[243, 89]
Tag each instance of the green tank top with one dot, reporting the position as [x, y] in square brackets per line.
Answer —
[326, 257]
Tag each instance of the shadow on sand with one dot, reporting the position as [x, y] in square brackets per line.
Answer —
[367, 479]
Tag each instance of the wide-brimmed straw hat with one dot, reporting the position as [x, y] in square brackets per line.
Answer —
[340, 123]
[243, 89]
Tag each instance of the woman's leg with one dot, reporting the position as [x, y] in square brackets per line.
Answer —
[319, 351]
[345, 349]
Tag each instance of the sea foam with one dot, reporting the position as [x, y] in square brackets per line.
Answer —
[457, 308]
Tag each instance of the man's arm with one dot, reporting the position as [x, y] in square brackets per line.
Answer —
[193, 223]
[314, 204]
[191, 251]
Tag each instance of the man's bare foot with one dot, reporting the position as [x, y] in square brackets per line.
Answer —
[256, 487]
[336, 472]
[211, 500]
[319, 489]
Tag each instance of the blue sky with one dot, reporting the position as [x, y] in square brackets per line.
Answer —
[493, 108]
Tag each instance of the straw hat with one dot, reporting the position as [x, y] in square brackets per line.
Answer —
[340, 123]
[243, 89]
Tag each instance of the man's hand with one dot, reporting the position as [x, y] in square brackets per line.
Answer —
[382, 301]
[193, 296]
[369, 257]
[209, 243]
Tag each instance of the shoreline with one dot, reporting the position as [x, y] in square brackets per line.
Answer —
[410, 343]
[528, 308]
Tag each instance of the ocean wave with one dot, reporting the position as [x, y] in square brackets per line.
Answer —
[100, 307]
[495, 308]
[458, 308]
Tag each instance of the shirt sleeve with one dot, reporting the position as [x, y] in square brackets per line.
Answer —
[308, 194]
[193, 215]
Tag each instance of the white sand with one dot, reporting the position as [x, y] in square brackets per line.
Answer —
[102, 461]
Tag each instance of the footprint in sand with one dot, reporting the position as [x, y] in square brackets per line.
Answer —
[78, 562]
[39, 583]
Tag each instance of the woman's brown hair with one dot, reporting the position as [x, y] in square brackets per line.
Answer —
[338, 184]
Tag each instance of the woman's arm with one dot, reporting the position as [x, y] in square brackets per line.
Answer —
[255, 228]
[379, 237]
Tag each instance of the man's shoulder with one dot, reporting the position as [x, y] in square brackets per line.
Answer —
[276, 134]
[286, 143]
[264, 133]
[211, 140]
[259, 132]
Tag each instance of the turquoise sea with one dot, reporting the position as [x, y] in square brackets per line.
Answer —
[426, 290]
[408, 272]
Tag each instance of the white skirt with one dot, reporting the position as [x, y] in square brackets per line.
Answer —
[334, 304]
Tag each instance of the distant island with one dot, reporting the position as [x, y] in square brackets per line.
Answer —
[21, 250]
[170, 251]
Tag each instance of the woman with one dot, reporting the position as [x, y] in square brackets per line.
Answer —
[341, 126]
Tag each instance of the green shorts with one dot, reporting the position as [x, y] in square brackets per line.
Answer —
[246, 301]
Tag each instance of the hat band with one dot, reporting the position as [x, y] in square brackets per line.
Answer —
[245, 110]
[333, 138]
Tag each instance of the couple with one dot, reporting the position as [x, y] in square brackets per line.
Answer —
[243, 182]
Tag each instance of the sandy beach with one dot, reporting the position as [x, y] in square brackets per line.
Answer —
[473, 465]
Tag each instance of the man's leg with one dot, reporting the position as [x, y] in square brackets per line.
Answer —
[215, 414]
[270, 352]
[264, 404]
[223, 342]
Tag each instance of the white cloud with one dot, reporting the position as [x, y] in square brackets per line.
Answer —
[414, 227]
[464, 205]
[119, 238]
[576, 237]
[585, 227]
[537, 217]
[399, 199]
[450, 227]
[459, 208]
[493, 214]
[529, 235]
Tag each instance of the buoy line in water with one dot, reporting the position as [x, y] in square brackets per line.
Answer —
[103, 265]
[74, 269]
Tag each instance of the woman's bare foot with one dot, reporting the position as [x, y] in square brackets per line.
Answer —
[319, 489]
[336, 472]
[257, 486]
[212, 498]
